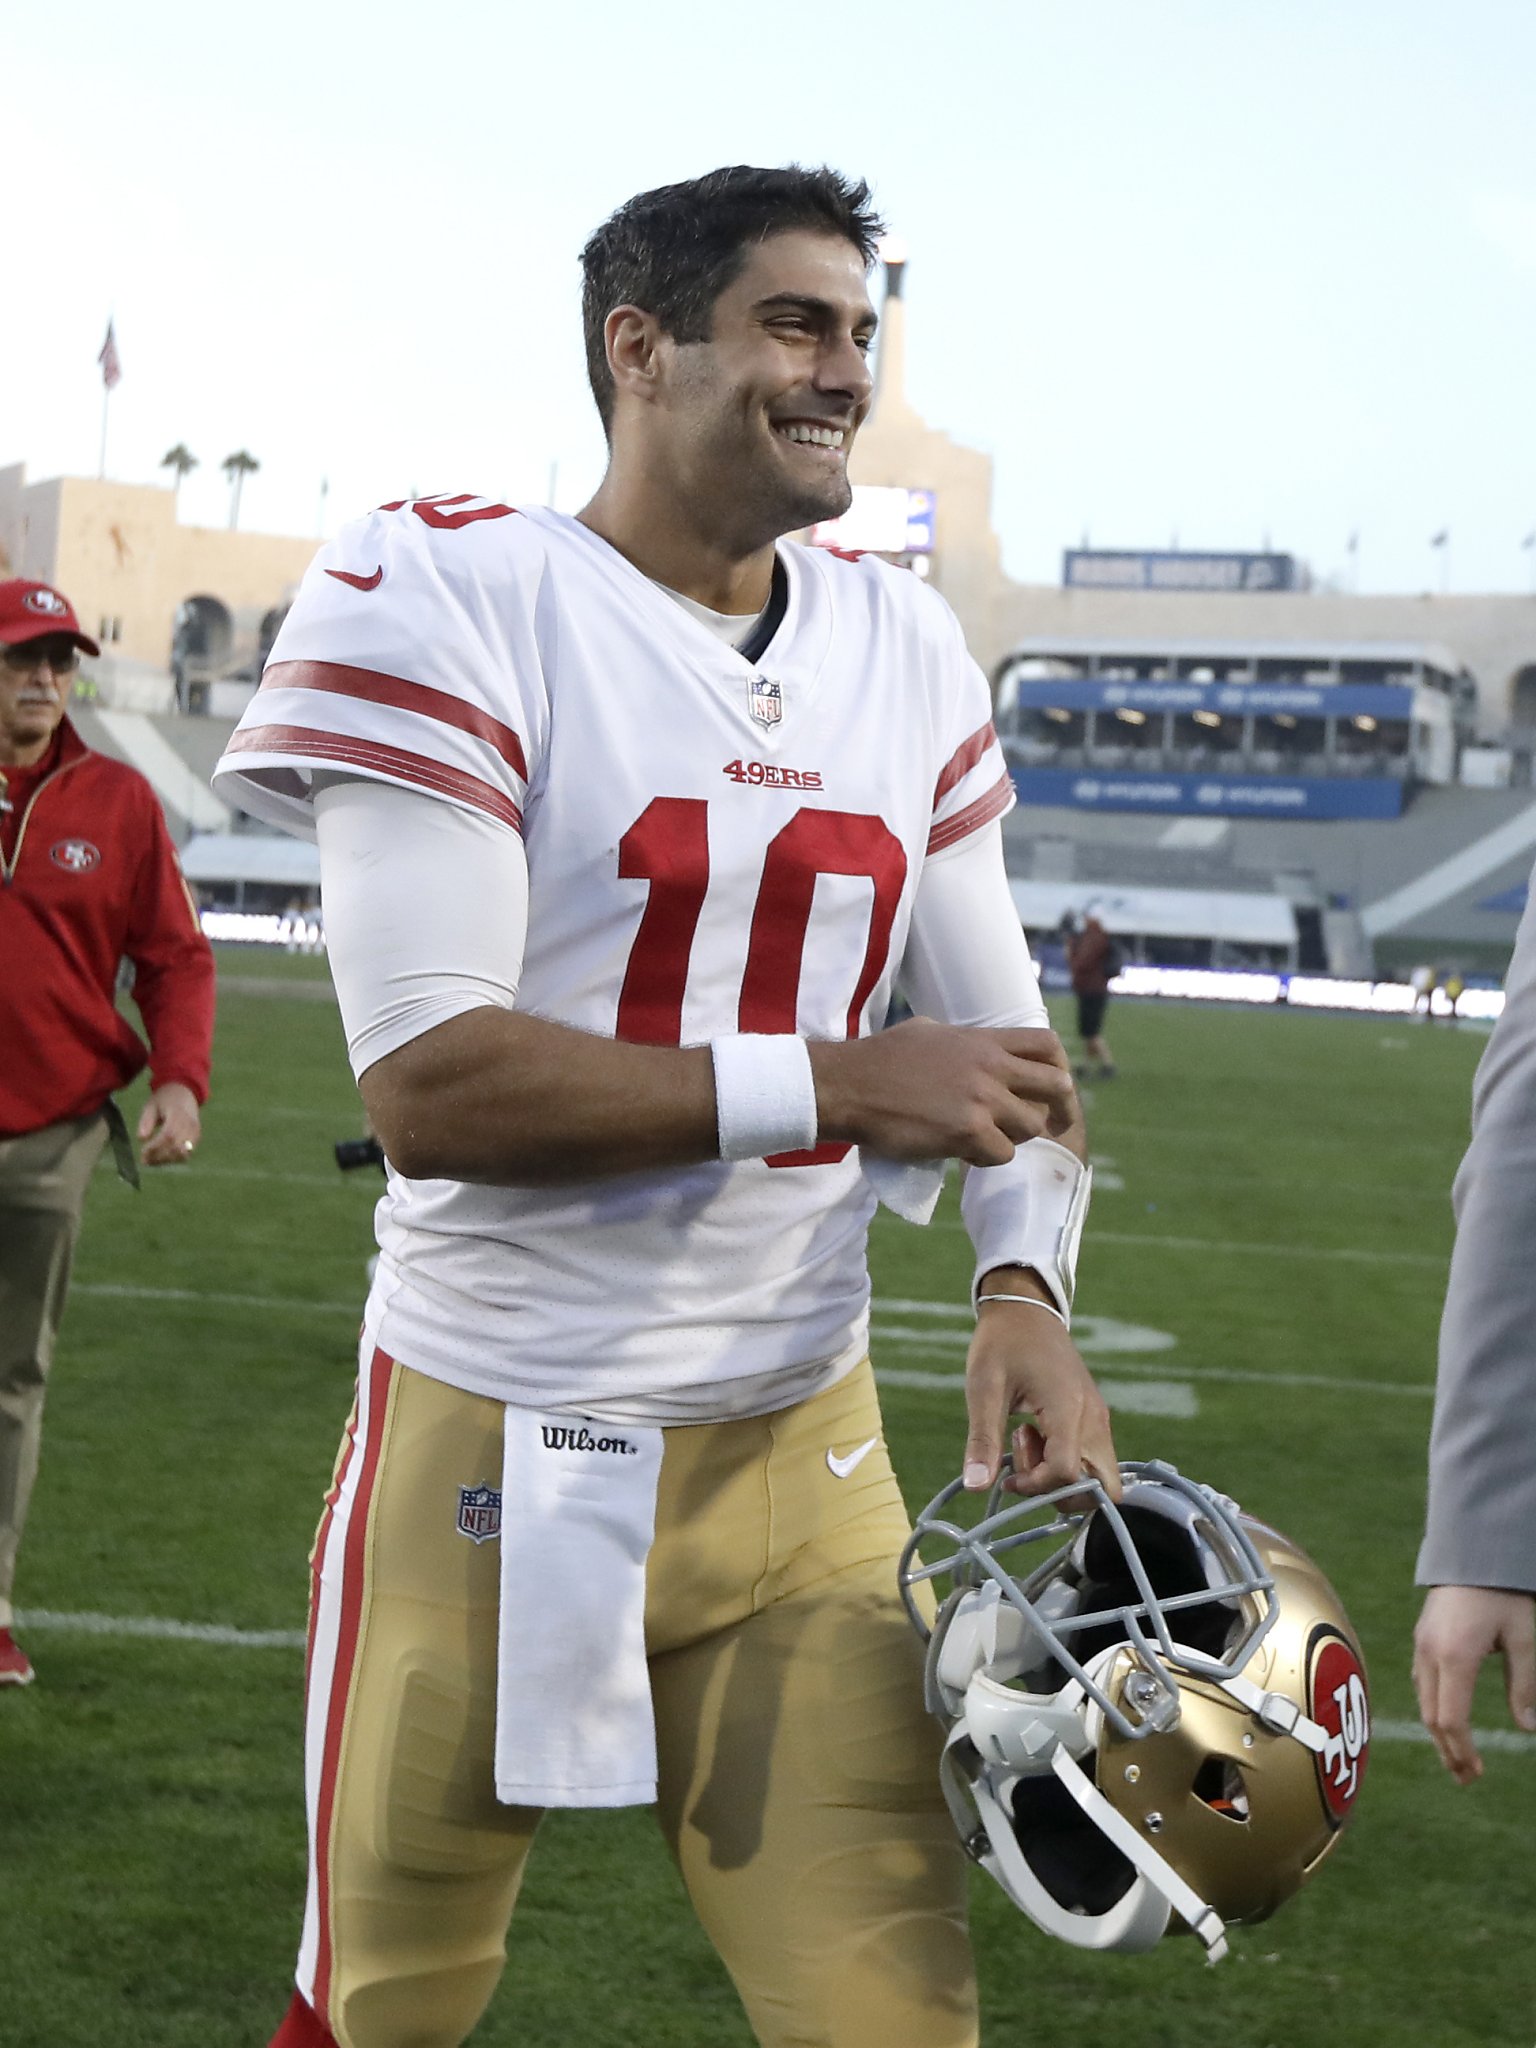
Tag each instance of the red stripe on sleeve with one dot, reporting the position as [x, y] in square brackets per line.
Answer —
[963, 760]
[973, 817]
[393, 762]
[354, 1576]
[378, 688]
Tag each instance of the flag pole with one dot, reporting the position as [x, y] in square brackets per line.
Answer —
[111, 372]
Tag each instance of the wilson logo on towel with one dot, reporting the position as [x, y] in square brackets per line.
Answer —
[558, 1437]
[479, 1513]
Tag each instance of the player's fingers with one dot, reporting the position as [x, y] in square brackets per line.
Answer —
[986, 1403]
[1058, 1460]
[987, 1144]
[1445, 1705]
[1099, 1454]
[1029, 1043]
[1040, 1081]
[1520, 1681]
[149, 1118]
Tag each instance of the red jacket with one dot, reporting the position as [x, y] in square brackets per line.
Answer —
[1088, 958]
[88, 874]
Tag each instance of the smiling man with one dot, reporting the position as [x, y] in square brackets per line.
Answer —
[88, 876]
[629, 824]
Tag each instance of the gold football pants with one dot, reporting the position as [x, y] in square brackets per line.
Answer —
[798, 1785]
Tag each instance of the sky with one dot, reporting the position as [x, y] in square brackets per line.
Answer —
[1193, 272]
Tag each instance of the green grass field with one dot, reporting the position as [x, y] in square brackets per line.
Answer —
[1267, 1250]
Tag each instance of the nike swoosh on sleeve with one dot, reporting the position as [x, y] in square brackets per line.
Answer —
[359, 582]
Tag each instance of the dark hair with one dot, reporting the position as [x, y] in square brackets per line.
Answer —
[673, 251]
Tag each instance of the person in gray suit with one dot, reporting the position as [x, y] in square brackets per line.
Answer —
[1479, 1553]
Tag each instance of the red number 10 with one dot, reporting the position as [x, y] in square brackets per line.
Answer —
[668, 846]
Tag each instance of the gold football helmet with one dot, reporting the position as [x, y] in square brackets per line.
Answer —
[1156, 1712]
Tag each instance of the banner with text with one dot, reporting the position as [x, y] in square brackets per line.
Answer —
[1381, 701]
[1219, 796]
[1174, 569]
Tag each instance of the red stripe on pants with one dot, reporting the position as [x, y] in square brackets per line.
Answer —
[354, 1563]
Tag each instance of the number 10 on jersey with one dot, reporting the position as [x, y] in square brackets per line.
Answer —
[668, 847]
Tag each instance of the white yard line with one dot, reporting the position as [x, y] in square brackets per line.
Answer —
[896, 1333]
[281, 1304]
[1216, 1375]
[1486, 1738]
[1127, 1397]
[191, 1175]
[40, 1621]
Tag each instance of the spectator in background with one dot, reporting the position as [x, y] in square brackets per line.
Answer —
[88, 875]
[1094, 960]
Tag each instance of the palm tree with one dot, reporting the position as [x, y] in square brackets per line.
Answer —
[182, 461]
[237, 468]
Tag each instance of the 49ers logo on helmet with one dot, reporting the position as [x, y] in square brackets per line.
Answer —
[1337, 1701]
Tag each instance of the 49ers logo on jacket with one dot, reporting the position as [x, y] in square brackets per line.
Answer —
[78, 856]
[1338, 1702]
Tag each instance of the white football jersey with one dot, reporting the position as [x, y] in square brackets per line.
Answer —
[716, 842]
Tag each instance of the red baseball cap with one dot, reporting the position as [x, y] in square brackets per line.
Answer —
[36, 611]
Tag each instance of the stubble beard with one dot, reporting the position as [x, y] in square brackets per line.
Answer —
[771, 504]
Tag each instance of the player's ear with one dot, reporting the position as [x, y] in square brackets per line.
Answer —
[631, 338]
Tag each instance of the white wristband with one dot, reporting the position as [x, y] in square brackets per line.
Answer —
[765, 1095]
[1029, 1213]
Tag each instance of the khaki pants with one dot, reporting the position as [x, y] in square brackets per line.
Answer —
[799, 1784]
[43, 1179]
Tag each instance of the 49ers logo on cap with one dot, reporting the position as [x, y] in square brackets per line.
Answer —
[1338, 1702]
[77, 855]
[48, 602]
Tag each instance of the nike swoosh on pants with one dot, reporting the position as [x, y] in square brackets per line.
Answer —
[842, 1467]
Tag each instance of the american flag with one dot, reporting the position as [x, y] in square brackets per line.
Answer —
[111, 363]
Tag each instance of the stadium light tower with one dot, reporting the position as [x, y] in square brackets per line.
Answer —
[891, 361]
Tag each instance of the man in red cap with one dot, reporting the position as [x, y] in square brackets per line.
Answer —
[88, 875]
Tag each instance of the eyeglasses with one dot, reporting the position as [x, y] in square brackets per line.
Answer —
[62, 656]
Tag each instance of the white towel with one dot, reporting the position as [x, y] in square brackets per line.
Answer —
[574, 1723]
[911, 1192]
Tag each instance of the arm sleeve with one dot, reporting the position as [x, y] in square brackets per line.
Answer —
[173, 972]
[410, 656]
[426, 911]
[1481, 1524]
[968, 962]
[967, 959]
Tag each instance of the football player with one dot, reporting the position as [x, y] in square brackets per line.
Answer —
[628, 825]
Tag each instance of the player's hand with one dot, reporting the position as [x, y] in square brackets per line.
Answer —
[170, 1126]
[938, 1091]
[1028, 1390]
[1458, 1627]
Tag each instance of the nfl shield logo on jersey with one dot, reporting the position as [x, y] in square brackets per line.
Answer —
[764, 700]
[479, 1513]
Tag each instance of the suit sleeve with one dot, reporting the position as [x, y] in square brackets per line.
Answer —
[410, 656]
[1481, 1524]
[173, 982]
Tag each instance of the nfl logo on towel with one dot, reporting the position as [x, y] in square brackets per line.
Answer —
[479, 1513]
[765, 701]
